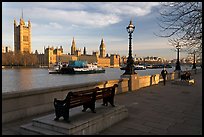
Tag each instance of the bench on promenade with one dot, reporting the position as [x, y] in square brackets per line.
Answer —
[107, 94]
[185, 79]
[85, 98]
[186, 75]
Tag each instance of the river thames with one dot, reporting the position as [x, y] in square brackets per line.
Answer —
[31, 78]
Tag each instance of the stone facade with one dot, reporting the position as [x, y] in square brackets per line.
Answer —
[73, 47]
[103, 62]
[114, 60]
[22, 36]
[88, 58]
[52, 56]
[102, 49]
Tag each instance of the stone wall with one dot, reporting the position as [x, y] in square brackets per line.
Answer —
[103, 62]
[150, 80]
[21, 104]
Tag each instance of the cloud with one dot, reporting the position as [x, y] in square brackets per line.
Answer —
[61, 5]
[89, 14]
[51, 25]
[129, 8]
[80, 17]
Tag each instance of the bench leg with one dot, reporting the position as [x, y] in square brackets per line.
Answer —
[112, 97]
[58, 112]
[66, 119]
[92, 107]
[56, 118]
[111, 101]
[93, 110]
[84, 108]
[108, 99]
[66, 115]
[105, 102]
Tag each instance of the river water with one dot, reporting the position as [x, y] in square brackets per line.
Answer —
[31, 78]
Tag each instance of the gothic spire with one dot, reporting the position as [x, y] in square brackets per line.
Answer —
[73, 42]
[22, 13]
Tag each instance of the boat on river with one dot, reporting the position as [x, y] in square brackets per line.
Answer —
[136, 67]
[77, 67]
[139, 67]
[157, 66]
[55, 69]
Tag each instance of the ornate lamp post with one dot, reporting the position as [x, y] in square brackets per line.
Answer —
[178, 67]
[130, 62]
[194, 60]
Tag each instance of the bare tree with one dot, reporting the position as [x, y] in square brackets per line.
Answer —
[9, 58]
[18, 58]
[182, 22]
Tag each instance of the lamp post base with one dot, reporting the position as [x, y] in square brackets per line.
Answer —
[133, 82]
[129, 71]
[194, 66]
[178, 67]
[178, 73]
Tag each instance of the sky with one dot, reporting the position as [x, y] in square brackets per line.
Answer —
[56, 23]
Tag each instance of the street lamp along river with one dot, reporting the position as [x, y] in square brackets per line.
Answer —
[129, 69]
[178, 67]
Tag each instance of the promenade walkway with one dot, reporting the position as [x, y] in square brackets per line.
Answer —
[156, 110]
[162, 110]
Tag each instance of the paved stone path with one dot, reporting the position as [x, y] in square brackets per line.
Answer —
[162, 110]
[156, 110]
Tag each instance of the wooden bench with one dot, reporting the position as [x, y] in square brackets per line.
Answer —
[85, 98]
[186, 75]
[107, 94]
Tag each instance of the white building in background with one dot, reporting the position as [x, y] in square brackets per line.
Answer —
[6, 49]
[150, 59]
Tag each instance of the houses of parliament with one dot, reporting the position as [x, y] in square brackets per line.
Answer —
[22, 43]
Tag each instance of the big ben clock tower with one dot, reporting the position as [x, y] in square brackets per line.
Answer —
[102, 49]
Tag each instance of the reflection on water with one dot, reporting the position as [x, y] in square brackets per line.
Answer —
[24, 79]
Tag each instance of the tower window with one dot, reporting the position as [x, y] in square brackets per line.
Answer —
[25, 38]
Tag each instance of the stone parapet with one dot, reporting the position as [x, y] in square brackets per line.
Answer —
[22, 104]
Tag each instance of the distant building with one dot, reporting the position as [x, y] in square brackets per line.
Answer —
[41, 59]
[53, 55]
[22, 43]
[84, 50]
[95, 53]
[102, 49]
[22, 36]
[123, 60]
[154, 59]
[77, 53]
[73, 47]
[145, 60]
[6, 49]
[114, 60]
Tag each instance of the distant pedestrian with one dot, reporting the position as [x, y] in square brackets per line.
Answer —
[164, 73]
